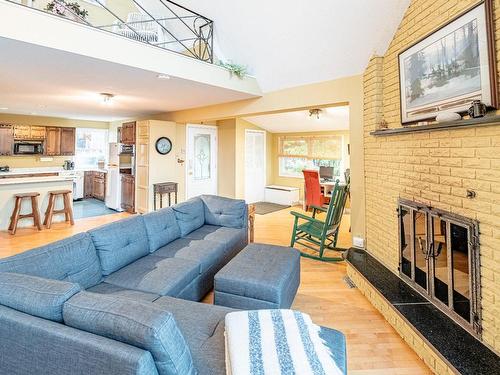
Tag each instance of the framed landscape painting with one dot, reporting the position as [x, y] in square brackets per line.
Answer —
[450, 68]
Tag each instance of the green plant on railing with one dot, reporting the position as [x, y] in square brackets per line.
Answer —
[238, 70]
[62, 8]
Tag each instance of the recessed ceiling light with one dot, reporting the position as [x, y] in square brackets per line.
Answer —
[107, 98]
[163, 76]
[3, 108]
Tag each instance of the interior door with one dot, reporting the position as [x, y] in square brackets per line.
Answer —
[201, 157]
[255, 165]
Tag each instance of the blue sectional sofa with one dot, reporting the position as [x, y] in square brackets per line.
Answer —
[123, 298]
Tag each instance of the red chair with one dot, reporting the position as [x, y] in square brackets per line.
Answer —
[312, 190]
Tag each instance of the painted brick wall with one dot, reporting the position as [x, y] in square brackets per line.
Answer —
[432, 167]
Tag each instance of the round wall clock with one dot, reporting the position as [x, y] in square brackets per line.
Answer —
[163, 145]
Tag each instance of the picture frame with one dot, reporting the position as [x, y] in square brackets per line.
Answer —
[451, 67]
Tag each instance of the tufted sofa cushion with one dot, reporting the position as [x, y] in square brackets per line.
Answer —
[35, 295]
[190, 215]
[120, 243]
[225, 212]
[162, 228]
[140, 324]
[73, 259]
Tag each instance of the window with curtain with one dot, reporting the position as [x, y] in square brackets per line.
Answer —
[91, 146]
[296, 153]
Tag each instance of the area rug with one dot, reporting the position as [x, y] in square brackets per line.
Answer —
[263, 208]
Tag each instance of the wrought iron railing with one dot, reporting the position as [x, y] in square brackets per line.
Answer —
[161, 23]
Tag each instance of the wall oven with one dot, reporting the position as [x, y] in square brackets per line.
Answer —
[28, 148]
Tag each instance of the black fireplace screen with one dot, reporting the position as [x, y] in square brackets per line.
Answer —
[439, 256]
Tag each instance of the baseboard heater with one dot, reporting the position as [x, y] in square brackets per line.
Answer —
[285, 195]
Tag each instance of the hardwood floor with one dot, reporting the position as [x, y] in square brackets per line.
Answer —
[373, 346]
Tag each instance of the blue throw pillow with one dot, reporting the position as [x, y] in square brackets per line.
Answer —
[140, 324]
[190, 215]
[225, 212]
[120, 243]
[35, 295]
[162, 228]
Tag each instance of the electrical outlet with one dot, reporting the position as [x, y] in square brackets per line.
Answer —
[358, 242]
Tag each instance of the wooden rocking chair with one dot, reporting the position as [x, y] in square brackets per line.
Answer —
[320, 235]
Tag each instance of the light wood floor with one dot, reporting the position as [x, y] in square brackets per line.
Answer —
[373, 347]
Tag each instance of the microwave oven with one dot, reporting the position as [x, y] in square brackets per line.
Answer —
[28, 148]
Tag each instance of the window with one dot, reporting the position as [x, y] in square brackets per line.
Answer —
[296, 153]
[91, 146]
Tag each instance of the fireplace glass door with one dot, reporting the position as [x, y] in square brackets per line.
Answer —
[439, 256]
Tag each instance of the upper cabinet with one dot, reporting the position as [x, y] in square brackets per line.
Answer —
[53, 141]
[29, 132]
[6, 140]
[127, 134]
[68, 141]
[37, 132]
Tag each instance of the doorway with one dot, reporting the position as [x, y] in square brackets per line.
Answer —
[255, 165]
[201, 157]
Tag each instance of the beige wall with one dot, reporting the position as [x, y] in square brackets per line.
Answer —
[343, 91]
[435, 168]
[34, 161]
[296, 181]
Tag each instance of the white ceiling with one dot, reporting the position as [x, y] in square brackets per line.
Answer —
[288, 43]
[334, 118]
[48, 82]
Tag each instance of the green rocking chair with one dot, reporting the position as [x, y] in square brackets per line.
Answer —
[321, 235]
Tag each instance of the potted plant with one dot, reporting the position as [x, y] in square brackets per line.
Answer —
[238, 70]
[66, 9]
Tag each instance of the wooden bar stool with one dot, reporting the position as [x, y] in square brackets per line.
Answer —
[67, 210]
[16, 214]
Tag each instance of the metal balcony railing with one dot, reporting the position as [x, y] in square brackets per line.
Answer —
[160, 23]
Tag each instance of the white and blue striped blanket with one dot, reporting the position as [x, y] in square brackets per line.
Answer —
[274, 342]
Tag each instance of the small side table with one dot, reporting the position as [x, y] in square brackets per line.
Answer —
[251, 222]
[164, 188]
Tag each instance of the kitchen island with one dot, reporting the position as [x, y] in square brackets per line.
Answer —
[42, 185]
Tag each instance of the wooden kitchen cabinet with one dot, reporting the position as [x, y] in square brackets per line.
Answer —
[67, 147]
[127, 134]
[22, 132]
[128, 193]
[53, 141]
[37, 132]
[88, 184]
[99, 186]
[6, 140]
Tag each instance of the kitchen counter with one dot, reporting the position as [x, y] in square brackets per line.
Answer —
[31, 180]
[59, 170]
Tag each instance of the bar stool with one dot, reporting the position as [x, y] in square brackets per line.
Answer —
[16, 214]
[67, 210]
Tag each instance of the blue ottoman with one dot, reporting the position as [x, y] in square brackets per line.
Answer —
[260, 277]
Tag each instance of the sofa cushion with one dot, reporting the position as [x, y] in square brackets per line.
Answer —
[226, 212]
[190, 215]
[232, 238]
[152, 274]
[207, 253]
[73, 259]
[140, 324]
[162, 228]
[120, 243]
[118, 291]
[35, 295]
[202, 326]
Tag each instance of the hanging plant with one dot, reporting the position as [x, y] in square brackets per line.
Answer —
[66, 9]
[238, 70]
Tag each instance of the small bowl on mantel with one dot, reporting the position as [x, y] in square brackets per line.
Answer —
[447, 116]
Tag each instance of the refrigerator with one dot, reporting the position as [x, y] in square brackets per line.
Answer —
[114, 185]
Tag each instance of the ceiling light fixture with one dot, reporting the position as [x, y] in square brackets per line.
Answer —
[315, 112]
[3, 108]
[163, 76]
[106, 98]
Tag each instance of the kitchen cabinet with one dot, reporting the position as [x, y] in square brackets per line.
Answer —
[99, 186]
[127, 133]
[53, 141]
[37, 132]
[67, 147]
[6, 140]
[128, 193]
[88, 184]
[22, 131]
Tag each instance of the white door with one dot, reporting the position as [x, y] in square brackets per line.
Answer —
[255, 165]
[201, 157]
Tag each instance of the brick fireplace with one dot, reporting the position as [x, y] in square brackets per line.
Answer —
[454, 171]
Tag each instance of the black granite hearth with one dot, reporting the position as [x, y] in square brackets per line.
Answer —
[468, 355]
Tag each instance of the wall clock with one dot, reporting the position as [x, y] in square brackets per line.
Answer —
[163, 145]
